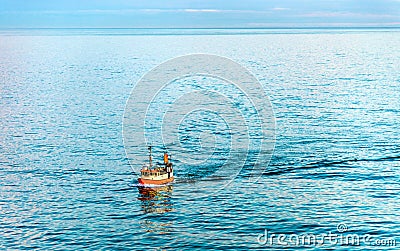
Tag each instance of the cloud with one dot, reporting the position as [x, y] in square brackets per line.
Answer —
[204, 11]
[322, 24]
[201, 10]
[280, 9]
[179, 10]
[129, 11]
[345, 14]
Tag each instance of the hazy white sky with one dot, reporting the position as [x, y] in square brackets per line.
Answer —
[198, 13]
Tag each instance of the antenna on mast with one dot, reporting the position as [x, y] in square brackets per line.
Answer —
[150, 158]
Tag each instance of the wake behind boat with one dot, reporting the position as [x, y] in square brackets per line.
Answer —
[158, 174]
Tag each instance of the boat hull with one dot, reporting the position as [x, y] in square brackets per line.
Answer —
[155, 182]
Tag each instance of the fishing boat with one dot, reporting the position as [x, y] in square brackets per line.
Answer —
[158, 174]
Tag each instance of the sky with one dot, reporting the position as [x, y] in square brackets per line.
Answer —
[198, 13]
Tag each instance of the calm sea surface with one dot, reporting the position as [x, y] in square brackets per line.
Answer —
[66, 183]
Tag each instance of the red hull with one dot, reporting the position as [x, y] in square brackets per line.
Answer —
[155, 182]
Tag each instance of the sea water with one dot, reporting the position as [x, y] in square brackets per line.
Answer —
[66, 183]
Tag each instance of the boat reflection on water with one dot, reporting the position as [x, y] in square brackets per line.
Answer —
[156, 199]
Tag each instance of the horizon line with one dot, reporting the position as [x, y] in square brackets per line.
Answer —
[215, 28]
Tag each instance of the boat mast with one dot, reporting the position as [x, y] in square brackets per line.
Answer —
[150, 158]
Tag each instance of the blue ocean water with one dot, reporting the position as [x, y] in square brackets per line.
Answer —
[66, 183]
